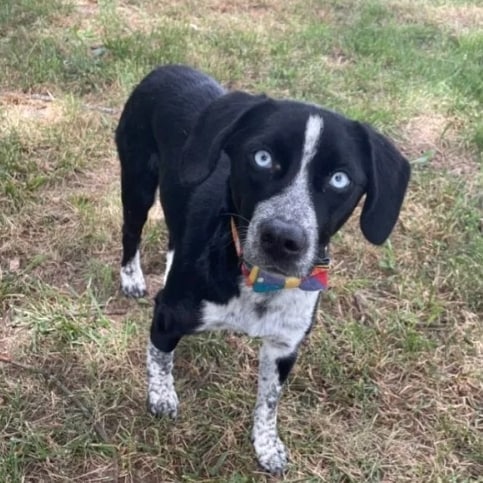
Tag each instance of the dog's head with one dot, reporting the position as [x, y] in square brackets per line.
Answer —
[297, 172]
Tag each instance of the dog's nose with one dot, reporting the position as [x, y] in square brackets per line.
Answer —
[281, 239]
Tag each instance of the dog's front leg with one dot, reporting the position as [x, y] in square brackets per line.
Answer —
[276, 361]
[162, 398]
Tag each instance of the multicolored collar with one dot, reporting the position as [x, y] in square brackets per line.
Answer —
[261, 281]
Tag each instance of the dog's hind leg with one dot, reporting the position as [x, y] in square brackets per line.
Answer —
[138, 189]
[276, 361]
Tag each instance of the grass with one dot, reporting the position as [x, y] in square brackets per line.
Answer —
[389, 386]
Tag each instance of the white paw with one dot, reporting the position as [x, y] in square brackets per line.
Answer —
[271, 454]
[163, 400]
[132, 279]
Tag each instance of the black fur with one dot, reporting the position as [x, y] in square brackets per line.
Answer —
[284, 366]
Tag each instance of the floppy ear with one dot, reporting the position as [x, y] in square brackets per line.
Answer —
[204, 145]
[388, 174]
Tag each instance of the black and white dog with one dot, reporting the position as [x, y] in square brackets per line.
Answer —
[252, 189]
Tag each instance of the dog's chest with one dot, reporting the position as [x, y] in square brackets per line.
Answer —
[282, 314]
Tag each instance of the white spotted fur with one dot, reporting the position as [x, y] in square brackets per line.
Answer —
[287, 314]
[132, 278]
[162, 398]
[293, 205]
[286, 318]
[280, 318]
[270, 450]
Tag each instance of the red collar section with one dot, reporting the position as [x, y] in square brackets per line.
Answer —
[262, 281]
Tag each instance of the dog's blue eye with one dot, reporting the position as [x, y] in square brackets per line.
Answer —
[339, 180]
[263, 159]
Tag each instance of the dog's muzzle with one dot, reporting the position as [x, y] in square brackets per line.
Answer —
[281, 237]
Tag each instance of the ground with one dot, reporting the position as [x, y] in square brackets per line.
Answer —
[389, 386]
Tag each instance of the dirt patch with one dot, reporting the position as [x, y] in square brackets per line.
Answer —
[11, 336]
[435, 138]
[460, 19]
[260, 15]
[86, 13]
[87, 7]
[20, 111]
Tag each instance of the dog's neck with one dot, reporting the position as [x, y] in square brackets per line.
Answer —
[262, 281]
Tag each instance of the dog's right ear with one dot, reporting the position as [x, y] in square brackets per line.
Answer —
[215, 124]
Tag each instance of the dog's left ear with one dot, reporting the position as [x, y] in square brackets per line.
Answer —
[214, 126]
[388, 174]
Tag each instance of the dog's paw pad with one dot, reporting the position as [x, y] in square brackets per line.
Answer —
[271, 455]
[163, 401]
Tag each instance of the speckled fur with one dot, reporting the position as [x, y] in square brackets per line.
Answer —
[162, 398]
[301, 212]
[282, 327]
[270, 450]
[132, 278]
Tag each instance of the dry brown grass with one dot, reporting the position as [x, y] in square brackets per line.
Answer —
[460, 19]
[438, 134]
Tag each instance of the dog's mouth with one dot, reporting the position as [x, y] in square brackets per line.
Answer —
[277, 270]
[270, 269]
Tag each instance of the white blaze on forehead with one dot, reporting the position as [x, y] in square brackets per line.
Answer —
[293, 205]
[313, 131]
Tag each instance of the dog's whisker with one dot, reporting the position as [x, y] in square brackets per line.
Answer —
[237, 215]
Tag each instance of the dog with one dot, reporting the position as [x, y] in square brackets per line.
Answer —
[252, 189]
